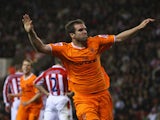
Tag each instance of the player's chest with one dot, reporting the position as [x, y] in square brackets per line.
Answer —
[26, 84]
[85, 54]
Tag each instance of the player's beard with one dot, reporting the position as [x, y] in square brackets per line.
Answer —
[83, 39]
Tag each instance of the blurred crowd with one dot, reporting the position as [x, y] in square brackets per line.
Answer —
[133, 66]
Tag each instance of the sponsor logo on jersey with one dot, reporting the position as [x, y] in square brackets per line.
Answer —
[85, 62]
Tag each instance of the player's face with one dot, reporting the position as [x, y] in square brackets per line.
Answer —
[26, 67]
[80, 32]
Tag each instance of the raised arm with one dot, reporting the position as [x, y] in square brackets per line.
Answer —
[126, 34]
[34, 39]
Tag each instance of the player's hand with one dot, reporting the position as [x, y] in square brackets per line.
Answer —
[145, 22]
[10, 96]
[7, 109]
[25, 103]
[27, 22]
[70, 94]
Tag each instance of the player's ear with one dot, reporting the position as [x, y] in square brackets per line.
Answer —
[71, 35]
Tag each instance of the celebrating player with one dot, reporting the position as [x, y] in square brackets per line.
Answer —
[81, 58]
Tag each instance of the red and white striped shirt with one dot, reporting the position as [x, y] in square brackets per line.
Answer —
[55, 79]
[11, 85]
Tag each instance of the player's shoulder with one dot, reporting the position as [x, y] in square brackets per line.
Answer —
[60, 44]
[11, 76]
[58, 67]
[97, 37]
[93, 38]
[53, 69]
[101, 36]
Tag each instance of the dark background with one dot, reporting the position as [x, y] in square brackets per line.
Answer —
[133, 65]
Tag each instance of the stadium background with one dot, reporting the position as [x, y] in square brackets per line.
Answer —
[133, 66]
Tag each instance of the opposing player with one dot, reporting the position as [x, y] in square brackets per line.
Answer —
[30, 97]
[81, 58]
[56, 83]
[12, 86]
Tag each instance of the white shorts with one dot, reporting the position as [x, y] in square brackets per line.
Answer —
[57, 108]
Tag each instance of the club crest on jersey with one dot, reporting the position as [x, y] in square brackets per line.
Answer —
[103, 36]
[58, 44]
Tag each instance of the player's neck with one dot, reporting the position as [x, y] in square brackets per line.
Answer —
[26, 75]
[78, 44]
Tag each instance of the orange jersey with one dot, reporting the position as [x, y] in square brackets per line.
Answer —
[106, 78]
[28, 90]
[83, 64]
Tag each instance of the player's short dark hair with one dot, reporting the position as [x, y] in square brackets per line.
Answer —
[28, 60]
[69, 27]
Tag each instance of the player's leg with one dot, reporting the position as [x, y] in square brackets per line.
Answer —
[63, 107]
[13, 113]
[64, 113]
[14, 109]
[22, 113]
[86, 107]
[106, 106]
[33, 116]
[70, 110]
[41, 115]
[73, 110]
[85, 112]
[51, 112]
[34, 113]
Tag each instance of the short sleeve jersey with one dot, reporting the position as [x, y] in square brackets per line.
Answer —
[83, 64]
[11, 85]
[54, 79]
[28, 90]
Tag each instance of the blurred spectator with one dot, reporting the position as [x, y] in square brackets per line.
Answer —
[153, 114]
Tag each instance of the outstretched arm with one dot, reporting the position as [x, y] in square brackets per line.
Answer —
[126, 34]
[34, 39]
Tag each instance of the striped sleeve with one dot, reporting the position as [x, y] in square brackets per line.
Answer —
[6, 91]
